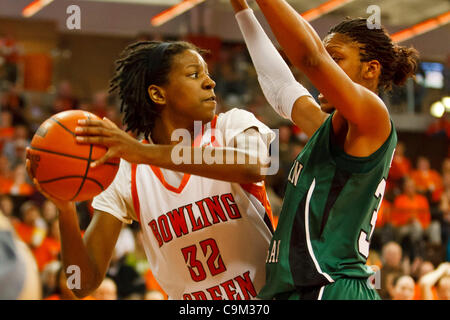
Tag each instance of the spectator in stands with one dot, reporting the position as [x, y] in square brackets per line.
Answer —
[427, 180]
[19, 186]
[14, 149]
[14, 101]
[444, 208]
[31, 229]
[17, 151]
[48, 251]
[128, 280]
[402, 287]
[106, 291]
[99, 104]
[55, 284]
[138, 261]
[154, 295]
[9, 52]
[7, 207]
[65, 99]
[439, 278]
[400, 168]
[424, 268]
[411, 217]
[6, 127]
[391, 258]
[384, 231]
[443, 287]
[49, 211]
[6, 177]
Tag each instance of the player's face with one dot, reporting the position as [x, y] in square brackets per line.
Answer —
[346, 54]
[190, 90]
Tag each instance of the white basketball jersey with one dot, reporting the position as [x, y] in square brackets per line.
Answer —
[204, 238]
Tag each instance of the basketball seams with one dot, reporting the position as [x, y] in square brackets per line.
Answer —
[70, 178]
[73, 177]
[69, 155]
[89, 160]
[63, 126]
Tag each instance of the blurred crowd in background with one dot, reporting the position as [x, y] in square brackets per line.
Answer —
[410, 246]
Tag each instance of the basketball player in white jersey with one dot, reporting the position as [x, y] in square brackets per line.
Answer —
[206, 227]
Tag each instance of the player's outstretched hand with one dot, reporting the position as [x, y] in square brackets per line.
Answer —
[60, 204]
[106, 133]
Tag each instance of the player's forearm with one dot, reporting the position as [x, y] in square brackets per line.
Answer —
[225, 164]
[298, 39]
[75, 255]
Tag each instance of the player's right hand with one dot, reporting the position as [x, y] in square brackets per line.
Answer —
[60, 204]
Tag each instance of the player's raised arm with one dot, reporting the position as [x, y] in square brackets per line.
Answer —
[357, 104]
[288, 97]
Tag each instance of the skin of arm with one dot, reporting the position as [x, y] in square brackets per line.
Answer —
[91, 253]
[120, 144]
[361, 108]
[306, 113]
[430, 279]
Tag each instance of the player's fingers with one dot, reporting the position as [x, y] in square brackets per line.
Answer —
[109, 154]
[109, 123]
[94, 131]
[92, 122]
[104, 141]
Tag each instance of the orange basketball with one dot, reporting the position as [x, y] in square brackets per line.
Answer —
[62, 166]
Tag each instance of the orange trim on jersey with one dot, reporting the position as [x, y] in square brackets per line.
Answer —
[134, 194]
[159, 175]
[259, 192]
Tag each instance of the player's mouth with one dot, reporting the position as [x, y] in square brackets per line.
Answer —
[211, 99]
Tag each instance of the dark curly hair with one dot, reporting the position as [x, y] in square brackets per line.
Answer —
[140, 65]
[398, 63]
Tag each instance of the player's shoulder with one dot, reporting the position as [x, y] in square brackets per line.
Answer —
[235, 113]
[124, 168]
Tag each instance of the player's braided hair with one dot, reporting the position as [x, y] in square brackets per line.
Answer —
[398, 63]
[140, 65]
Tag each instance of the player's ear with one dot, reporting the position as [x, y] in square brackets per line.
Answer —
[371, 70]
[157, 94]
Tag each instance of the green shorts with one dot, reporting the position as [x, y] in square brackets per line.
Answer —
[341, 289]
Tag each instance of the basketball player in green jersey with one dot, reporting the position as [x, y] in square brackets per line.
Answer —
[336, 184]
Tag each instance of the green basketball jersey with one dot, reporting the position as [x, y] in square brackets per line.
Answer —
[328, 215]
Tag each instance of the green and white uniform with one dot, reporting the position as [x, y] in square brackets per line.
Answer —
[321, 244]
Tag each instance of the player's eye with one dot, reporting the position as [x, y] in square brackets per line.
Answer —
[193, 75]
